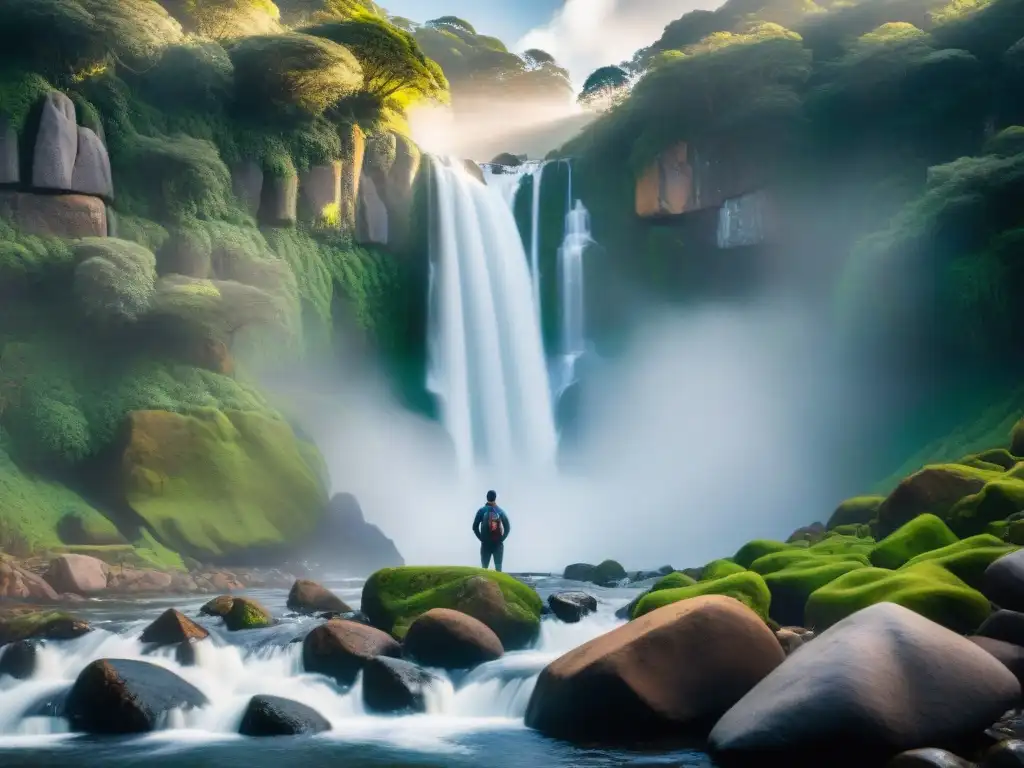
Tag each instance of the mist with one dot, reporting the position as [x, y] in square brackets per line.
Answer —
[714, 428]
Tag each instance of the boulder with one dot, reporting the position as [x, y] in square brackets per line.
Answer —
[918, 536]
[172, 627]
[1004, 625]
[934, 489]
[80, 574]
[607, 573]
[70, 216]
[1001, 498]
[219, 606]
[570, 607]
[1008, 753]
[395, 597]
[320, 194]
[928, 757]
[56, 144]
[967, 559]
[791, 638]
[371, 214]
[675, 580]
[791, 587]
[747, 587]
[395, 686]
[120, 696]
[132, 580]
[473, 169]
[10, 163]
[21, 584]
[626, 612]
[340, 649]
[27, 623]
[451, 640]
[91, 174]
[279, 201]
[1010, 656]
[666, 186]
[18, 660]
[247, 613]
[186, 251]
[1003, 582]
[345, 542]
[716, 569]
[274, 716]
[214, 484]
[925, 588]
[812, 533]
[634, 682]
[756, 549]
[309, 597]
[247, 184]
[888, 676]
[357, 616]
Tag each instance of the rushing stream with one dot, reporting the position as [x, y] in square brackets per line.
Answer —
[472, 720]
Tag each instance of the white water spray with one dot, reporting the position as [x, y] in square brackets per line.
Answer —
[486, 353]
[570, 274]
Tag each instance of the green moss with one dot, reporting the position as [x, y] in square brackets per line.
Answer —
[394, 597]
[840, 544]
[155, 554]
[967, 559]
[779, 561]
[247, 613]
[858, 531]
[673, 580]
[996, 501]
[792, 586]
[922, 534]
[856, 511]
[748, 587]
[1013, 532]
[927, 588]
[146, 233]
[212, 484]
[19, 93]
[717, 569]
[752, 550]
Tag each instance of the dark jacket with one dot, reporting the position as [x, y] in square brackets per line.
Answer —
[480, 523]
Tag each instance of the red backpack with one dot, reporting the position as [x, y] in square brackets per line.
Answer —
[494, 526]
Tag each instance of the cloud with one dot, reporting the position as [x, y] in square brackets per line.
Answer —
[587, 34]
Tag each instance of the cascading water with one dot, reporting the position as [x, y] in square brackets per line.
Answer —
[487, 363]
[570, 275]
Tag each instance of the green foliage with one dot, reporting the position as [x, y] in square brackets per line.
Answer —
[452, 22]
[747, 587]
[222, 19]
[292, 74]
[19, 92]
[604, 88]
[196, 75]
[922, 534]
[30, 259]
[114, 278]
[1009, 142]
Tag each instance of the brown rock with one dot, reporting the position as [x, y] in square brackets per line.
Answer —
[451, 640]
[173, 627]
[10, 165]
[279, 201]
[247, 184]
[933, 489]
[132, 580]
[676, 669]
[183, 584]
[666, 187]
[29, 623]
[56, 147]
[21, 584]
[70, 216]
[225, 582]
[309, 597]
[219, 606]
[339, 649]
[91, 175]
[320, 193]
[77, 573]
[247, 613]
[791, 638]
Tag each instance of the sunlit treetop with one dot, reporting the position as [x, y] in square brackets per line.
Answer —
[452, 22]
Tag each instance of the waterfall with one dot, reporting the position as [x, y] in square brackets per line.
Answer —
[487, 363]
[570, 275]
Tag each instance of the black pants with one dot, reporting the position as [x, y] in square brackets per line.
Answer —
[489, 548]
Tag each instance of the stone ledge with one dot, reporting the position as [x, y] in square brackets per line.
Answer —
[60, 215]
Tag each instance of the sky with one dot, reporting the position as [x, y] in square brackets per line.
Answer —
[582, 34]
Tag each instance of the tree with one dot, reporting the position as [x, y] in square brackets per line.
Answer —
[222, 19]
[535, 58]
[394, 66]
[453, 22]
[293, 72]
[605, 88]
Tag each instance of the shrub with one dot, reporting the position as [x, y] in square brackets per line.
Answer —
[114, 279]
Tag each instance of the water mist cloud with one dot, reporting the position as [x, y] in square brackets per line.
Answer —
[587, 34]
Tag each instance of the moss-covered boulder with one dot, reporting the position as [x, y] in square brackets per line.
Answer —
[967, 559]
[1017, 439]
[394, 598]
[747, 587]
[790, 587]
[29, 623]
[860, 510]
[247, 613]
[920, 535]
[674, 580]
[935, 489]
[717, 569]
[779, 561]
[219, 606]
[752, 550]
[997, 500]
[215, 484]
[926, 588]
[843, 544]
[812, 534]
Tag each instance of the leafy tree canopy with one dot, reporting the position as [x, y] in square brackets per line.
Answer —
[605, 87]
[225, 19]
[452, 22]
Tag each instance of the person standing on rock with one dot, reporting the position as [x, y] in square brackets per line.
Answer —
[491, 526]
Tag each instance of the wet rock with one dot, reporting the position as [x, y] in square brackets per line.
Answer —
[626, 611]
[21, 584]
[10, 165]
[274, 716]
[570, 607]
[26, 623]
[185, 653]
[394, 685]
[791, 638]
[91, 174]
[279, 201]
[172, 627]
[309, 597]
[351, 544]
[474, 170]
[633, 682]
[219, 606]
[928, 757]
[1007, 626]
[18, 660]
[1004, 581]
[120, 696]
[77, 573]
[56, 146]
[607, 573]
[1011, 656]
[134, 581]
[886, 674]
[247, 613]
[247, 184]
[934, 489]
[340, 649]
[451, 640]
[1005, 754]
[357, 616]
[68, 216]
